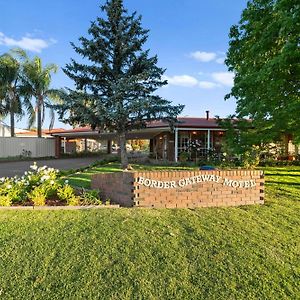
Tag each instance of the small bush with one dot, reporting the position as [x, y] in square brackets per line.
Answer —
[184, 156]
[67, 194]
[90, 197]
[35, 185]
[5, 200]
[279, 163]
[38, 196]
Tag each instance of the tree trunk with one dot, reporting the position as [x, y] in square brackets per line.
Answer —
[123, 152]
[39, 117]
[109, 147]
[12, 121]
[12, 114]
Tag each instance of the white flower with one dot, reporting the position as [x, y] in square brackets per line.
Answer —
[9, 186]
[224, 154]
[66, 181]
[34, 166]
[2, 179]
[52, 182]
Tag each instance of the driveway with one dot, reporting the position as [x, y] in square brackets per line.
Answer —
[10, 169]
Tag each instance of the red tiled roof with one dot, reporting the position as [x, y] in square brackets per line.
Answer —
[78, 129]
[186, 122]
[44, 131]
[183, 122]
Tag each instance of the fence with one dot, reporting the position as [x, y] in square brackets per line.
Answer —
[27, 147]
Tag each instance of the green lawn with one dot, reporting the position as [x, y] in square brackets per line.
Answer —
[83, 179]
[213, 253]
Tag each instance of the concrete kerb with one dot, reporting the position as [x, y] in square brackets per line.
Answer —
[89, 207]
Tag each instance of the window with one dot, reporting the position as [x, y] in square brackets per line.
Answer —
[194, 142]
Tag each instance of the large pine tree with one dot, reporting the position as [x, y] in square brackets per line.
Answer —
[115, 88]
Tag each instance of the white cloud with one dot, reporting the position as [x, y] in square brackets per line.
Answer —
[220, 60]
[182, 80]
[26, 42]
[224, 78]
[190, 81]
[207, 84]
[203, 56]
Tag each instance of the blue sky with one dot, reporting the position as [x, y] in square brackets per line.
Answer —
[190, 38]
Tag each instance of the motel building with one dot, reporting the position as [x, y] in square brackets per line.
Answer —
[194, 136]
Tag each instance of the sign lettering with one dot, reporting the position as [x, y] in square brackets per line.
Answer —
[183, 182]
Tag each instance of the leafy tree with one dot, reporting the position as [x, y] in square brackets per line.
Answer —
[36, 81]
[11, 89]
[264, 54]
[115, 91]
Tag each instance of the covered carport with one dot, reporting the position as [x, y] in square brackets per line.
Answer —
[62, 136]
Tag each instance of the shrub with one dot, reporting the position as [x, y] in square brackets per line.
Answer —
[67, 193]
[36, 185]
[41, 184]
[251, 158]
[38, 196]
[278, 163]
[5, 200]
[184, 156]
[14, 189]
[90, 197]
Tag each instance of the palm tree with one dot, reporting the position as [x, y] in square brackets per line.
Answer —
[36, 83]
[10, 101]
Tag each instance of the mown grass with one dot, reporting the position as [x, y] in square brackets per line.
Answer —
[214, 253]
[83, 179]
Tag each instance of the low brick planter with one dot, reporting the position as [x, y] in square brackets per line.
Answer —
[182, 189]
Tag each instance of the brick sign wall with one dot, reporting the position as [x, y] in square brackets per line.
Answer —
[182, 189]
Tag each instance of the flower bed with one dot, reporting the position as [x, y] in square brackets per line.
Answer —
[42, 186]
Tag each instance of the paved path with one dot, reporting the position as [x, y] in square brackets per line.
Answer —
[10, 169]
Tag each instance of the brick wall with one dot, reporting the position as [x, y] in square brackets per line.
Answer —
[182, 189]
[118, 187]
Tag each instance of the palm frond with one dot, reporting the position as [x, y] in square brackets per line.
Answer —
[35, 82]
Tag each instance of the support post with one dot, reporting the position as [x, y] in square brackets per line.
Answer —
[176, 145]
[57, 146]
[208, 140]
[65, 145]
